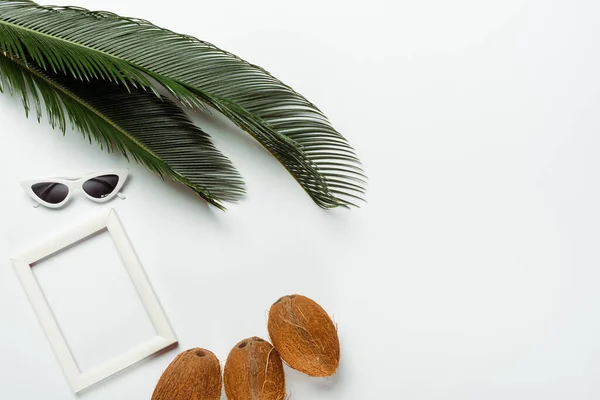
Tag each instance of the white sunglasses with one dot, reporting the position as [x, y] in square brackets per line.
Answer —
[56, 192]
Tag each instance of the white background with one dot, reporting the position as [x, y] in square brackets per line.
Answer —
[473, 271]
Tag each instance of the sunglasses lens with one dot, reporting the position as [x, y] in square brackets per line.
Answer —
[100, 187]
[51, 192]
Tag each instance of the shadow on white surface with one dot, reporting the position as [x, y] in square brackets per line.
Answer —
[301, 386]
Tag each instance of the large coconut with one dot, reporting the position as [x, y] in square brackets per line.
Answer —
[193, 375]
[254, 371]
[304, 335]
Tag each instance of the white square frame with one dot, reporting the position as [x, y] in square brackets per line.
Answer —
[22, 263]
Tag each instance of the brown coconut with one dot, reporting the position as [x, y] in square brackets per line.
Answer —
[304, 335]
[193, 375]
[254, 371]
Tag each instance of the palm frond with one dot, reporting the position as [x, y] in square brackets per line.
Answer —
[102, 45]
[154, 131]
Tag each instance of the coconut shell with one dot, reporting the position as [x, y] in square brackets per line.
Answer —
[193, 375]
[304, 335]
[254, 371]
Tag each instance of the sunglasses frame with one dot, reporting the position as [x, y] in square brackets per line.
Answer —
[74, 184]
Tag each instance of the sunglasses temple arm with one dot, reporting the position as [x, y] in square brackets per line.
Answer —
[34, 203]
[121, 196]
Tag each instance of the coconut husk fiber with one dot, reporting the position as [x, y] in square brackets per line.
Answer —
[304, 335]
[193, 375]
[254, 371]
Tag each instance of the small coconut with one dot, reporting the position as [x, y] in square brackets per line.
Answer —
[193, 375]
[254, 371]
[304, 335]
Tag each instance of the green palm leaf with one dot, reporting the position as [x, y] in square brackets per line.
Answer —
[154, 131]
[102, 45]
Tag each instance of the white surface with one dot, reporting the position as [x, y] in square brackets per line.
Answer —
[471, 274]
[78, 375]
